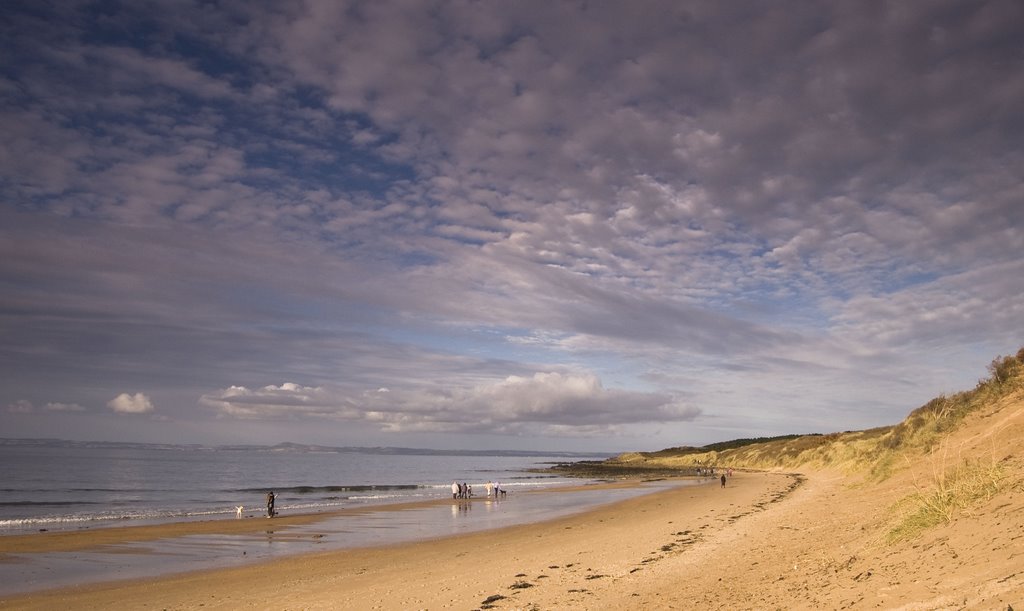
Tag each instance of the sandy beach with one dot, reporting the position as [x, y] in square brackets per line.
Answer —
[765, 541]
[578, 560]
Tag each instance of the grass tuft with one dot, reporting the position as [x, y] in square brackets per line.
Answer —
[950, 493]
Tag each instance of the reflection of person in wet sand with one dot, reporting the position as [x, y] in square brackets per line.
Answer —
[270, 504]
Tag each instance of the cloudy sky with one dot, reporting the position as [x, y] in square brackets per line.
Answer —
[517, 225]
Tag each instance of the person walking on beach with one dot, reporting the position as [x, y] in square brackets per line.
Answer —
[456, 489]
[723, 480]
[270, 504]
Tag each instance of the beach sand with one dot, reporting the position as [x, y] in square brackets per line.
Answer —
[765, 541]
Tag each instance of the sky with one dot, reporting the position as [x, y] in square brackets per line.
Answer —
[537, 225]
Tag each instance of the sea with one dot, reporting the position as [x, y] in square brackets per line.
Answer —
[56, 485]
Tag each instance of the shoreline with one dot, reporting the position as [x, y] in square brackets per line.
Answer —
[39, 562]
[467, 565]
[56, 488]
[86, 537]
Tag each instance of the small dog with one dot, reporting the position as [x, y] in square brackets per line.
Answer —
[502, 492]
[238, 511]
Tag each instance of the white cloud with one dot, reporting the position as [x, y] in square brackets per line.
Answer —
[547, 403]
[608, 188]
[289, 400]
[125, 403]
[26, 407]
[21, 407]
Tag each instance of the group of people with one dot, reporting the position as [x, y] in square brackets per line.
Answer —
[712, 472]
[465, 491]
[459, 491]
[729, 472]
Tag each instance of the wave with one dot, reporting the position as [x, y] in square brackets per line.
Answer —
[384, 497]
[84, 518]
[47, 503]
[161, 515]
[336, 488]
[81, 490]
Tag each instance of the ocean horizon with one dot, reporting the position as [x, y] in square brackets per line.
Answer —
[70, 486]
[57, 484]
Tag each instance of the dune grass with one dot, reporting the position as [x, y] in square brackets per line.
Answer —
[955, 484]
[951, 491]
[877, 453]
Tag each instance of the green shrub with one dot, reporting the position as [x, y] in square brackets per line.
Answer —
[1003, 368]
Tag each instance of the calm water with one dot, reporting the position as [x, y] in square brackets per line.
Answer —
[56, 487]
